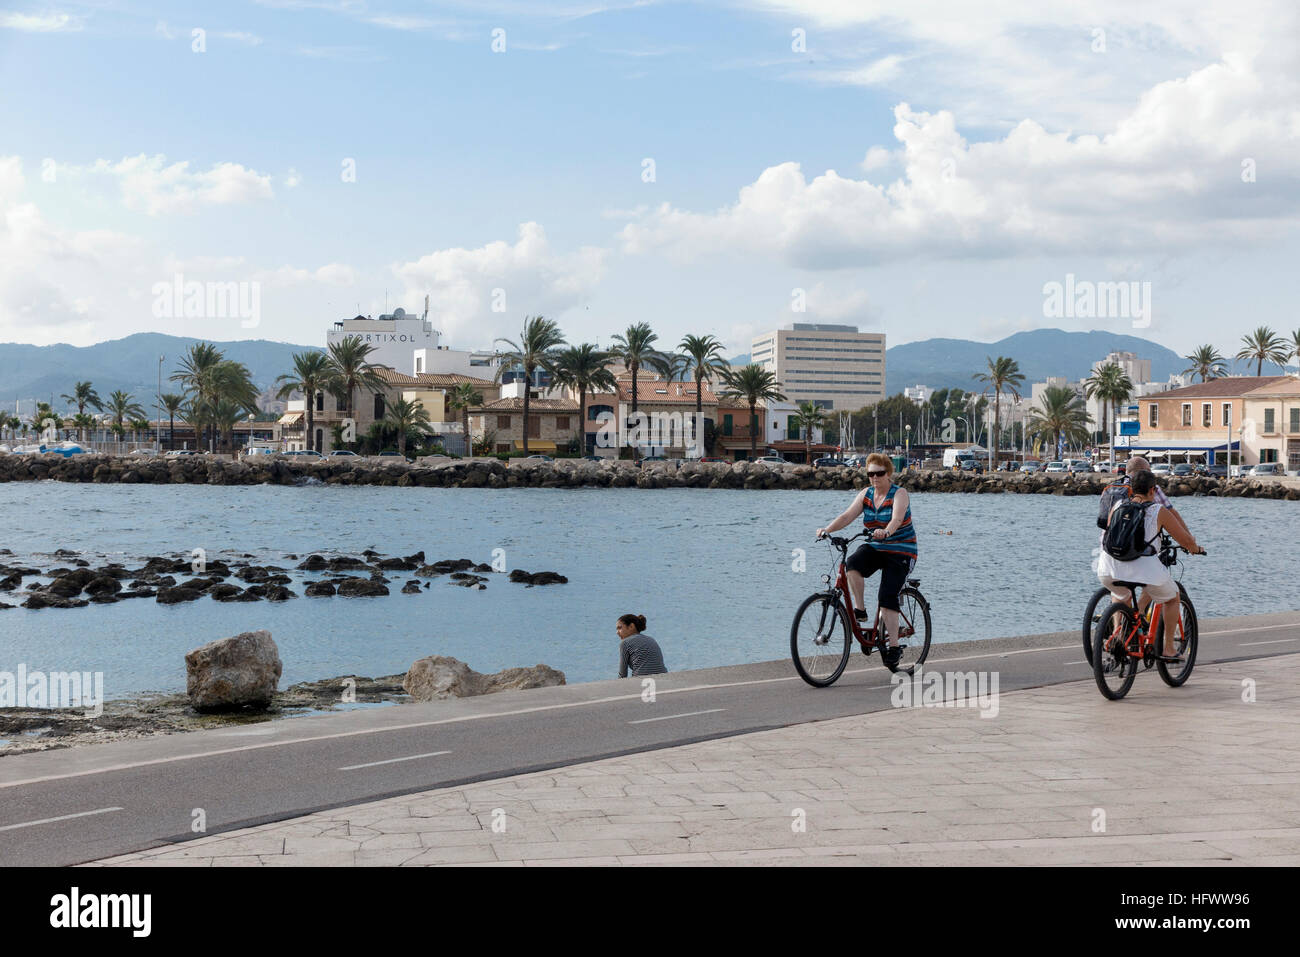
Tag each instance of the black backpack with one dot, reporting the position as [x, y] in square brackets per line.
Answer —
[1125, 539]
[1109, 496]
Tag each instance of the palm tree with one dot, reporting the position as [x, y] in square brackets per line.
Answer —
[536, 349]
[140, 424]
[1111, 386]
[83, 423]
[196, 374]
[172, 403]
[1062, 415]
[810, 416]
[352, 369]
[706, 363]
[312, 373]
[462, 398]
[1003, 373]
[635, 349]
[751, 384]
[407, 417]
[1264, 344]
[122, 406]
[224, 413]
[583, 369]
[83, 394]
[1295, 348]
[45, 418]
[1206, 362]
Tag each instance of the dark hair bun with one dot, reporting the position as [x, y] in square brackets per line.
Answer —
[637, 620]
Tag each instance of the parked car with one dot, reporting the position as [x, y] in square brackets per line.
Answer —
[1011, 465]
[972, 465]
[1161, 469]
[828, 461]
[1268, 468]
[714, 458]
[180, 452]
[1078, 468]
[538, 457]
[343, 452]
[1031, 467]
[1055, 467]
[770, 460]
[252, 451]
[1214, 471]
[1184, 468]
[307, 453]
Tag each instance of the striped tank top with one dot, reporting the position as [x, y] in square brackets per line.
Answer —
[903, 541]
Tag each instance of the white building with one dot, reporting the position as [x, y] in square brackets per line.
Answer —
[834, 366]
[411, 345]
[920, 394]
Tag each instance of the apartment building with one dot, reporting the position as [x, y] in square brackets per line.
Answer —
[1206, 421]
[835, 366]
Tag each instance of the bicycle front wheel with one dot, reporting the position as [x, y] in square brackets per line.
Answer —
[1174, 674]
[914, 630]
[1112, 666]
[1091, 615]
[820, 640]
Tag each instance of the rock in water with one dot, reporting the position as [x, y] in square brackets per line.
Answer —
[438, 677]
[237, 672]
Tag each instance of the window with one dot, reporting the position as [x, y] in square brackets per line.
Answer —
[561, 422]
[1267, 456]
[419, 364]
[1187, 414]
[726, 424]
[379, 406]
[1154, 419]
[503, 447]
[339, 404]
[1295, 421]
[1268, 420]
[1227, 413]
[594, 411]
[534, 426]
[320, 401]
[503, 421]
[1207, 415]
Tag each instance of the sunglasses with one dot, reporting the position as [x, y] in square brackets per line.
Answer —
[877, 473]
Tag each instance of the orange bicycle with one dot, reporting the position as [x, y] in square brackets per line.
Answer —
[1123, 639]
[821, 638]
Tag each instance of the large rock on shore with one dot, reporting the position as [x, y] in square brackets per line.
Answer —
[238, 672]
[437, 677]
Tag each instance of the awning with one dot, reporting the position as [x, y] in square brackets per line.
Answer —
[290, 418]
[535, 445]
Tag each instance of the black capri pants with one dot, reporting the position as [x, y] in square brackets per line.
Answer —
[893, 569]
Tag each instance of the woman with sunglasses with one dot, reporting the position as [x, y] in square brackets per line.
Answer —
[890, 549]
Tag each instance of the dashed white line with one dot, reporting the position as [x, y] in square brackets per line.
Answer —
[669, 717]
[410, 757]
[63, 817]
[1277, 641]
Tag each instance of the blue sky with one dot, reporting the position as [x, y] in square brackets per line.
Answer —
[976, 156]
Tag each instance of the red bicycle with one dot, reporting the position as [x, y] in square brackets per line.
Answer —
[825, 627]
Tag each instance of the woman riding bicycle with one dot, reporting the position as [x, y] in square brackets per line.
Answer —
[886, 514]
[1148, 570]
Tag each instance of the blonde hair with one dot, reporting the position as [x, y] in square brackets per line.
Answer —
[878, 458]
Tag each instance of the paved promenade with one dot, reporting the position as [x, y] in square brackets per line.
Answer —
[1194, 776]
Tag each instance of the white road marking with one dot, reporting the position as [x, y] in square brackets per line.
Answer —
[669, 717]
[1278, 641]
[413, 757]
[64, 817]
[125, 766]
[1076, 663]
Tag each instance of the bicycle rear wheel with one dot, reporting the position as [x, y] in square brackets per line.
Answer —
[820, 640]
[914, 631]
[1175, 674]
[1091, 614]
[1112, 666]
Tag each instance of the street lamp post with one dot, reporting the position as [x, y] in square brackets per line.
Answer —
[251, 417]
[907, 451]
[158, 405]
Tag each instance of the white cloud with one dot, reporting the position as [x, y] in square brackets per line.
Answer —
[292, 179]
[333, 274]
[52, 22]
[535, 279]
[149, 184]
[1167, 177]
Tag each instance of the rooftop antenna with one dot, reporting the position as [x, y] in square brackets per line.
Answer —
[426, 307]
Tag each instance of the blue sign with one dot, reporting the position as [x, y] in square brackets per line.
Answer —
[1129, 426]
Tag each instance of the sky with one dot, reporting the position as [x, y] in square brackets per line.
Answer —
[922, 169]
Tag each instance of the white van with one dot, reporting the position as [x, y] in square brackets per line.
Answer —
[952, 458]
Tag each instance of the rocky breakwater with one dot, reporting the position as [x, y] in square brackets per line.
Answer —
[441, 472]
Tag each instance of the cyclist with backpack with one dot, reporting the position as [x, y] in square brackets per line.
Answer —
[1128, 554]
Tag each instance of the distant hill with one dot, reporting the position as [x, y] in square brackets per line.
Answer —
[949, 363]
[36, 372]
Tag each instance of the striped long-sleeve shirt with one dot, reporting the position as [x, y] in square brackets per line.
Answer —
[642, 654]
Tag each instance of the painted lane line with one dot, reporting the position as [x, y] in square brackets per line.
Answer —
[130, 765]
[1276, 641]
[375, 764]
[669, 717]
[1075, 663]
[64, 817]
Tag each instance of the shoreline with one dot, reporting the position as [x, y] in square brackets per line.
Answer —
[159, 714]
[441, 472]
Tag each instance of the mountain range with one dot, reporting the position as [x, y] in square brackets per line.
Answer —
[131, 364]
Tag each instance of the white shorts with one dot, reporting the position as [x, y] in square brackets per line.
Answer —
[1159, 591]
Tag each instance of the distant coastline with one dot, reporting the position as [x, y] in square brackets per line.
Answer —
[441, 472]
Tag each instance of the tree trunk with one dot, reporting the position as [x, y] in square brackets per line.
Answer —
[753, 431]
[528, 383]
[464, 424]
[582, 422]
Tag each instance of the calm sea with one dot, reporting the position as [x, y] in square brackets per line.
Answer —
[713, 571]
